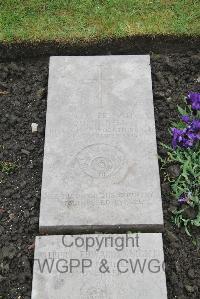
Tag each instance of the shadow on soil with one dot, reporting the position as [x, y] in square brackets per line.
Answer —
[129, 45]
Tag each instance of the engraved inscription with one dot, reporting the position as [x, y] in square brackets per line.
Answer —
[100, 160]
[94, 292]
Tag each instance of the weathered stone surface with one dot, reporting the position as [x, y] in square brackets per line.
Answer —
[103, 270]
[100, 163]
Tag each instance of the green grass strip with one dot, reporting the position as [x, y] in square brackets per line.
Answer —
[69, 20]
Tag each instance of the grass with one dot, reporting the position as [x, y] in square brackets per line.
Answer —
[72, 20]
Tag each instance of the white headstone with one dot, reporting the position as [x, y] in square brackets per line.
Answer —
[100, 161]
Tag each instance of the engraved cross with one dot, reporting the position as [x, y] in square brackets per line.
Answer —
[99, 80]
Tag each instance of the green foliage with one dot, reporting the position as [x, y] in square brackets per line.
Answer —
[187, 184]
[7, 167]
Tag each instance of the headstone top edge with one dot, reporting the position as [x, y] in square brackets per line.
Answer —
[101, 57]
[143, 235]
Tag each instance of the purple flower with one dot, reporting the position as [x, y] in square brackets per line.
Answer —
[195, 125]
[186, 119]
[194, 130]
[193, 99]
[183, 199]
[186, 137]
[181, 138]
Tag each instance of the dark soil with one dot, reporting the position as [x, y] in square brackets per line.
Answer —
[23, 89]
[139, 44]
